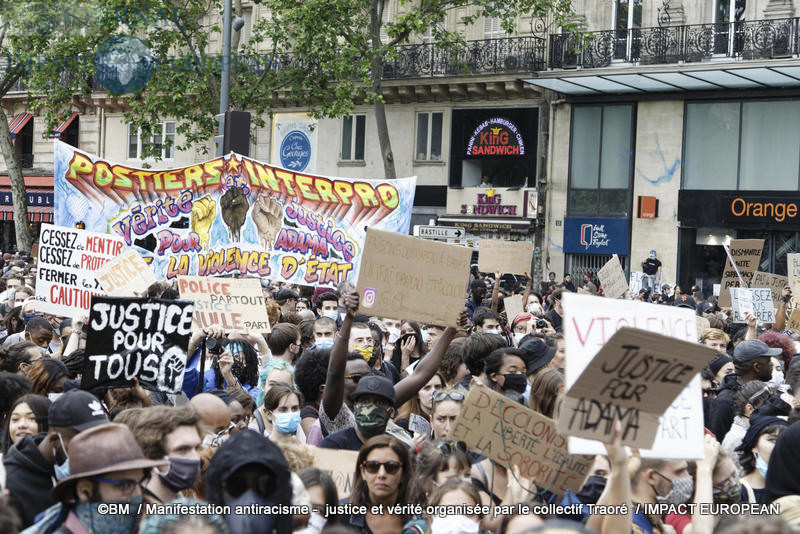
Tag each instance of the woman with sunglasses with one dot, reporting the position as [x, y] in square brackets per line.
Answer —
[445, 407]
[436, 463]
[382, 477]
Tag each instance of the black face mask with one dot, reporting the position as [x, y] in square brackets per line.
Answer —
[590, 492]
[515, 382]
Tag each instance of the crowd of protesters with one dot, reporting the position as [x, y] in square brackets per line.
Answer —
[235, 452]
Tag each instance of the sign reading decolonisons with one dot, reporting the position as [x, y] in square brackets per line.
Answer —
[232, 215]
[496, 137]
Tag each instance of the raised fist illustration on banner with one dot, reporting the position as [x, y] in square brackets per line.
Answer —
[204, 211]
[234, 206]
[268, 215]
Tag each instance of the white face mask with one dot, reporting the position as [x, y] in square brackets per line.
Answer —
[331, 314]
[454, 524]
[492, 331]
[518, 337]
[394, 334]
[776, 380]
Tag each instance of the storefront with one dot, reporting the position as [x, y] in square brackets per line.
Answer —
[589, 242]
[39, 198]
[708, 219]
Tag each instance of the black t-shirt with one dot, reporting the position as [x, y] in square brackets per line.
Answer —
[310, 410]
[650, 266]
[346, 439]
[554, 319]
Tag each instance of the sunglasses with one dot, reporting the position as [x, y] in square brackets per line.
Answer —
[448, 449]
[355, 378]
[372, 467]
[439, 396]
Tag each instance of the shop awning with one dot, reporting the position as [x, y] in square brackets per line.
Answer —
[56, 134]
[494, 224]
[39, 200]
[18, 122]
[682, 78]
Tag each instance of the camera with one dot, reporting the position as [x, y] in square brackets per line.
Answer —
[540, 324]
[214, 346]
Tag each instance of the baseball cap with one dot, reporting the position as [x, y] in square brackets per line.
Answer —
[76, 409]
[375, 385]
[750, 349]
[685, 301]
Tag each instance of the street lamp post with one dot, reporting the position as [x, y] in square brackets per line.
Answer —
[224, 92]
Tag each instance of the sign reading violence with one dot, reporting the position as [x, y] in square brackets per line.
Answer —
[404, 276]
[126, 276]
[634, 378]
[68, 258]
[240, 215]
[511, 434]
[505, 256]
[746, 253]
[233, 304]
[589, 322]
[137, 338]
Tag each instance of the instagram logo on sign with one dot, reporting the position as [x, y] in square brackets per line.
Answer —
[368, 298]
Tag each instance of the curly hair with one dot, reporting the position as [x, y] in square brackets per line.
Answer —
[779, 341]
[250, 373]
[311, 371]
[298, 455]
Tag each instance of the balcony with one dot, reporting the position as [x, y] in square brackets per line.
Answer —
[746, 40]
[486, 56]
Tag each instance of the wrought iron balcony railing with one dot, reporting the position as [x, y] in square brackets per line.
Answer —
[760, 39]
[486, 56]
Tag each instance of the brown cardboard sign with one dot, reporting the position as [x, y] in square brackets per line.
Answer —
[612, 278]
[775, 282]
[126, 275]
[340, 465]
[403, 276]
[505, 256]
[511, 434]
[747, 254]
[513, 306]
[635, 377]
[232, 303]
[794, 321]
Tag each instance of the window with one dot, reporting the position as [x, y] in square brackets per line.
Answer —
[729, 10]
[627, 17]
[492, 28]
[601, 160]
[353, 137]
[736, 145]
[429, 136]
[163, 138]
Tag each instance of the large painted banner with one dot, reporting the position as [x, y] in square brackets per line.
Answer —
[231, 215]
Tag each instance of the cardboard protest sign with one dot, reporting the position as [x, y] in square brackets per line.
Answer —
[513, 306]
[137, 338]
[793, 268]
[793, 323]
[68, 258]
[757, 301]
[126, 276]
[505, 256]
[747, 254]
[232, 303]
[245, 216]
[404, 276]
[589, 322]
[612, 278]
[340, 465]
[635, 283]
[511, 434]
[635, 377]
[775, 282]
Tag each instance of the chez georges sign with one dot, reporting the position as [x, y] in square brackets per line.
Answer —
[496, 137]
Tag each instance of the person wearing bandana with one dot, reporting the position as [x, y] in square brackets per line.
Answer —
[373, 401]
[663, 482]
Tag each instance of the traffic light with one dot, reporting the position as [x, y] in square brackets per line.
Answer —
[236, 128]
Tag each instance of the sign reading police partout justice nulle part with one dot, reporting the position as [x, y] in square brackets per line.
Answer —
[137, 338]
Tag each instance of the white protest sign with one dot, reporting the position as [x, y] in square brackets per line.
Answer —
[612, 278]
[68, 258]
[757, 300]
[589, 322]
[793, 268]
[635, 284]
[126, 276]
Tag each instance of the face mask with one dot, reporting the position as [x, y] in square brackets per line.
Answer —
[286, 423]
[181, 475]
[591, 491]
[324, 343]
[245, 523]
[54, 396]
[28, 316]
[518, 337]
[492, 331]
[426, 337]
[731, 492]
[515, 382]
[117, 523]
[371, 420]
[454, 524]
[316, 523]
[761, 465]
[776, 380]
[62, 470]
[681, 492]
[394, 334]
[365, 351]
[331, 314]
